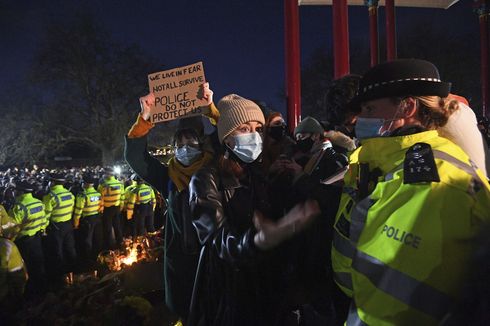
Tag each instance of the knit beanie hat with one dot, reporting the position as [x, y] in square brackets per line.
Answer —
[235, 110]
[309, 125]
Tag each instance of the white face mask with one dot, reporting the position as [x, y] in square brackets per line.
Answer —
[247, 147]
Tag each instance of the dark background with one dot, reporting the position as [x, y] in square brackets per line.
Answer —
[46, 111]
[240, 42]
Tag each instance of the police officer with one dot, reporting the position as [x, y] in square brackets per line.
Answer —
[128, 223]
[412, 202]
[112, 191]
[86, 217]
[58, 205]
[28, 214]
[141, 205]
[13, 273]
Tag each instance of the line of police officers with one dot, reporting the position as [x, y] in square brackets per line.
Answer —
[44, 229]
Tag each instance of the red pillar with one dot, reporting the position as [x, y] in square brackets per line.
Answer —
[390, 30]
[340, 38]
[292, 53]
[483, 18]
[373, 31]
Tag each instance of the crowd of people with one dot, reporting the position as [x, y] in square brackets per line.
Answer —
[57, 221]
[369, 218]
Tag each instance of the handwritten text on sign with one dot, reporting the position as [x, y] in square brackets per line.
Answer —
[176, 92]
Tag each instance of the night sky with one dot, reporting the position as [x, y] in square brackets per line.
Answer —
[240, 42]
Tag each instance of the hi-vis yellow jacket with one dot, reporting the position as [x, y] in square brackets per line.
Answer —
[141, 194]
[404, 230]
[112, 191]
[127, 194]
[11, 262]
[28, 214]
[89, 202]
[59, 204]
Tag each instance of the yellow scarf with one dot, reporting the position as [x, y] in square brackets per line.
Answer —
[181, 175]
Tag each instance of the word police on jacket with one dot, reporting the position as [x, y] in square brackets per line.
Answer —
[404, 237]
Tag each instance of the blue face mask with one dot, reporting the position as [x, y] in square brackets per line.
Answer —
[187, 155]
[371, 127]
[248, 146]
[368, 127]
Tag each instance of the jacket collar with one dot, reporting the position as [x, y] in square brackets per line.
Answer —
[386, 153]
[27, 195]
[57, 187]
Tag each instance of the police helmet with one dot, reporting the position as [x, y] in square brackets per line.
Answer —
[24, 186]
[89, 178]
[135, 177]
[59, 177]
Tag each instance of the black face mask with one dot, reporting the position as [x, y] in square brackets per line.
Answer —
[305, 145]
[277, 132]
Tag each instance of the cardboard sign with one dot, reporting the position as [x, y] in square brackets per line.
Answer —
[176, 92]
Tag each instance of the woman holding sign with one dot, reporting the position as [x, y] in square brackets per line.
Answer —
[238, 280]
[181, 245]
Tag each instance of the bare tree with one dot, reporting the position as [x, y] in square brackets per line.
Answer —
[91, 86]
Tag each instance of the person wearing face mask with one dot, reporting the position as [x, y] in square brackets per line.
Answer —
[237, 282]
[277, 142]
[413, 202]
[181, 244]
[341, 117]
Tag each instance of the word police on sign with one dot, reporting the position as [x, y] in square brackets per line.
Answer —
[176, 92]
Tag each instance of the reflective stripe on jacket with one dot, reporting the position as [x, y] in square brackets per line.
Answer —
[141, 194]
[112, 190]
[28, 213]
[89, 202]
[412, 241]
[59, 204]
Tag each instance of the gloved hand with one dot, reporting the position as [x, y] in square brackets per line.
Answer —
[270, 233]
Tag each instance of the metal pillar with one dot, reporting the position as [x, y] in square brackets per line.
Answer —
[373, 30]
[390, 30]
[292, 60]
[340, 38]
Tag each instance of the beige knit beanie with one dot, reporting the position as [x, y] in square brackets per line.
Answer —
[235, 110]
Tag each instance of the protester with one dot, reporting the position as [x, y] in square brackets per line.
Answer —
[341, 117]
[277, 142]
[235, 283]
[412, 203]
[181, 246]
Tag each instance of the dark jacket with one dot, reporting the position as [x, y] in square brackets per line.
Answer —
[181, 244]
[235, 283]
